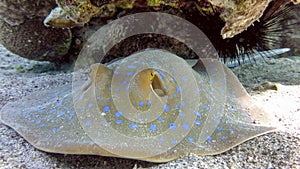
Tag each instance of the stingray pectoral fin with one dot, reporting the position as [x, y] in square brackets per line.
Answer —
[255, 112]
[236, 93]
[48, 121]
[236, 120]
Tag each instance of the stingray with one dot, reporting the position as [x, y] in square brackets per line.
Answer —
[151, 105]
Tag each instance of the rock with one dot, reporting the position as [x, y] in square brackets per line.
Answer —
[33, 40]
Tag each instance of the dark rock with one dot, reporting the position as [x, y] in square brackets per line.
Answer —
[33, 40]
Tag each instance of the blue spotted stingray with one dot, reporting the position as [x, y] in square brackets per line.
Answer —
[150, 106]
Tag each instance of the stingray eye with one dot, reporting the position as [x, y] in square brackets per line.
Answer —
[151, 75]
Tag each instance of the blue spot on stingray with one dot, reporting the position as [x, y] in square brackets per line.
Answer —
[104, 122]
[174, 141]
[182, 103]
[141, 103]
[185, 126]
[181, 114]
[217, 121]
[26, 116]
[219, 128]
[152, 127]
[198, 90]
[184, 79]
[127, 88]
[167, 97]
[116, 72]
[166, 87]
[88, 123]
[177, 107]
[166, 108]
[53, 110]
[82, 110]
[119, 122]
[220, 115]
[133, 126]
[129, 73]
[161, 76]
[117, 89]
[175, 95]
[124, 82]
[42, 125]
[197, 113]
[198, 122]
[131, 67]
[161, 139]
[172, 126]
[90, 105]
[41, 110]
[149, 102]
[140, 119]
[60, 113]
[54, 130]
[49, 116]
[38, 121]
[190, 139]
[231, 131]
[208, 139]
[231, 109]
[224, 138]
[229, 121]
[109, 89]
[59, 103]
[106, 109]
[160, 118]
[71, 115]
[98, 97]
[178, 89]
[118, 114]
[207, 108]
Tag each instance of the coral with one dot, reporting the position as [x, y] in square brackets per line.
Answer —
[239, 14]
[173, 3]
[76, 13]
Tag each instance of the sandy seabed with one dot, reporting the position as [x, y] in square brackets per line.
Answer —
[20, 77]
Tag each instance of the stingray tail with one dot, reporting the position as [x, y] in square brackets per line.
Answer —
[253, 57]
